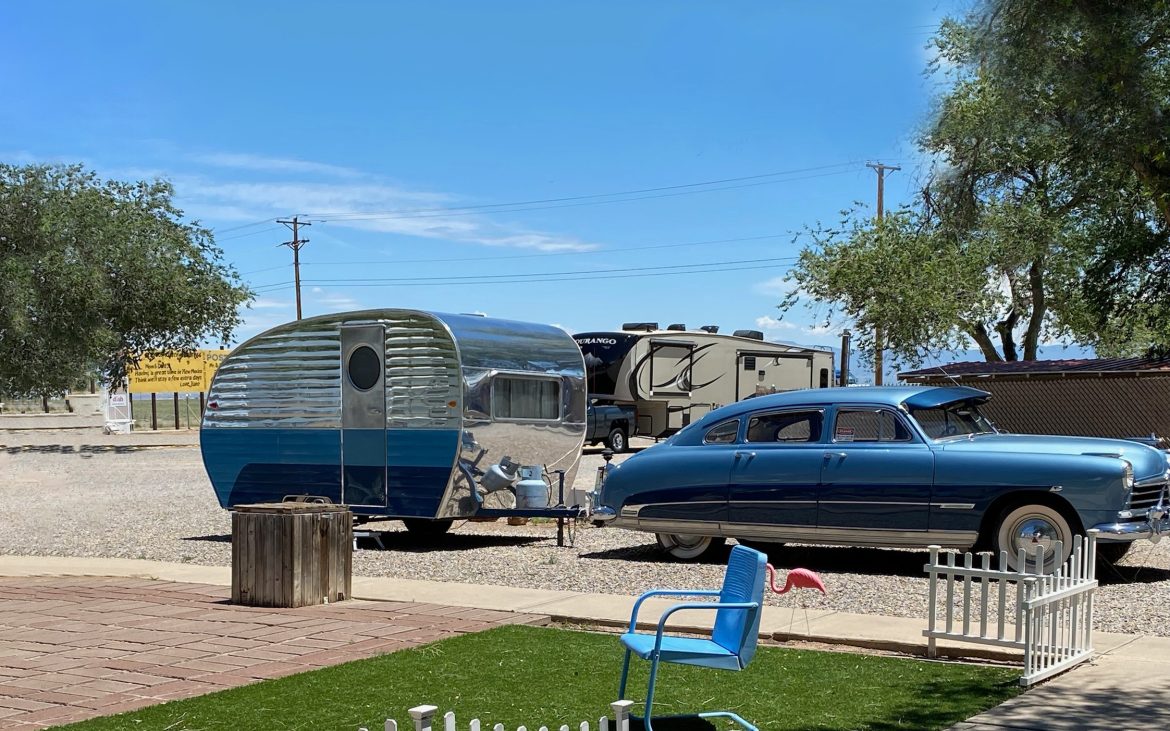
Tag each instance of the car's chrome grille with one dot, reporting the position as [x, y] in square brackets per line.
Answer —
[1147, 496]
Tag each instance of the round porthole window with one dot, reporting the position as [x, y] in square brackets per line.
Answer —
[365, 368]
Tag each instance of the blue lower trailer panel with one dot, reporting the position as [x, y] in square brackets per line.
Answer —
[251, 465]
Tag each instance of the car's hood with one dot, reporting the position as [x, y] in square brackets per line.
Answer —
[1147, 461]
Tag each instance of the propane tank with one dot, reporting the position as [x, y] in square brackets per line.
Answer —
[499, 476]
[531, 490]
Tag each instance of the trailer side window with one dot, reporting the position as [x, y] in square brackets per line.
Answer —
[526, 398]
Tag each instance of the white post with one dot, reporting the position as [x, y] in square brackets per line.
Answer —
[931, 643]
[449, 721]
[621, 714]
[422, 716]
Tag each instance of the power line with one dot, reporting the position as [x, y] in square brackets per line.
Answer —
[494, 277]
[622, 250]
[583, 197]
[611, 275]
[498, 208]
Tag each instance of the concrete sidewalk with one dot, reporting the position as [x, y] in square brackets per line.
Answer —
[1127, 684]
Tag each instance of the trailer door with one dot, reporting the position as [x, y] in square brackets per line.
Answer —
[363, 416]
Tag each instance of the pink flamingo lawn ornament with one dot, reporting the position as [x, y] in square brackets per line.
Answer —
[797, 579]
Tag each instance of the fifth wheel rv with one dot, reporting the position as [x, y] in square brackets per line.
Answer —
[675, 376]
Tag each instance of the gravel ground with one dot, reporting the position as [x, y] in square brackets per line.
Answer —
[74, 493]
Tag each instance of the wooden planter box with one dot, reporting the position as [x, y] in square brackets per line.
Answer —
[291, 554]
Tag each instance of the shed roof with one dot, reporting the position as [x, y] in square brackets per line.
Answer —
[1056, 367]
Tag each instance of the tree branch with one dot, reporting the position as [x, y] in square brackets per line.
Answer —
[978, 333]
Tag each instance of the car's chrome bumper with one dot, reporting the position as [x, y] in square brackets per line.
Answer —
[603, 514]
[1156, 525]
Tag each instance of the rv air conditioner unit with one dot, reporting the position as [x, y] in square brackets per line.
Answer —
[647, 326]
[753, 334]
[710, 329]
[677, 326]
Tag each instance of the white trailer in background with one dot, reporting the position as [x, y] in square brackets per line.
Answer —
[675, 376]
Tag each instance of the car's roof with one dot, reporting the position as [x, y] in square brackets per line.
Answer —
[914, 396]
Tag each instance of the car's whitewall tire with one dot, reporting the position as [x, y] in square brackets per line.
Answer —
[687, 547]
[1028, 525]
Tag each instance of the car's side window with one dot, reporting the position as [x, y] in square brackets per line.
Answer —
[786, 426]
[869, 425]
[722, 433]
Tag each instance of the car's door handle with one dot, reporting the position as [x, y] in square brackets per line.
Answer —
[749, 455]
[830, 455]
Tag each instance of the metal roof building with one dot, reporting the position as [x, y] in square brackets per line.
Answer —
[1109, 397]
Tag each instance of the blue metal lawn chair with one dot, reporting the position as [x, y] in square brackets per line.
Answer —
[733, 638]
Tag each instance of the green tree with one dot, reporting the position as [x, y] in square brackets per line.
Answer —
[1014, 240]
[1093, 78]
[94, 274]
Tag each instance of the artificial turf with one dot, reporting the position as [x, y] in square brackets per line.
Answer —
[536, 676]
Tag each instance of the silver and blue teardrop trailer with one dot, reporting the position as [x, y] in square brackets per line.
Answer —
[420, 416]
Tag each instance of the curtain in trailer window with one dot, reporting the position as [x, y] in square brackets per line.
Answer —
[526, 398]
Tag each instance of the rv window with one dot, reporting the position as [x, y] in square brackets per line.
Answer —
[724, 433]
[749, 362]
[526, 398]
[824, 378]
[365, 368]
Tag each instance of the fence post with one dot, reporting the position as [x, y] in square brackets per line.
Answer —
[176, 401]
[422, 716]
[154, 411]
[621, 714]
[931, 643]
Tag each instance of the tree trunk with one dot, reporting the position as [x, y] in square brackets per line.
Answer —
[1039, 310]
[978, 333]
[1006, 329]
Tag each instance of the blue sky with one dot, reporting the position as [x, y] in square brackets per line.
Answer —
[403, 130]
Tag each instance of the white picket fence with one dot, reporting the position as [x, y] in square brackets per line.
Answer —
[1052, 617]
[424, 716]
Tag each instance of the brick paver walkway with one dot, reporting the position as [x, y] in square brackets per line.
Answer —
[74, 648]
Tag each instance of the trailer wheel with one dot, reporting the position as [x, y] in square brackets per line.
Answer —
[616, 440]
[426, 528]
[688, 548]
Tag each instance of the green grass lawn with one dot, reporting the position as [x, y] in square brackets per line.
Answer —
[540, 676]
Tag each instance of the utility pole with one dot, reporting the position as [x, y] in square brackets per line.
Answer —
[878, 336]
[296, 244]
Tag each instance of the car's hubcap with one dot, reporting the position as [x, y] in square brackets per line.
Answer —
[1032, 532]
[689, 542]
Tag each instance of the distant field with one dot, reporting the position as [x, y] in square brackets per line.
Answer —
[188, 411]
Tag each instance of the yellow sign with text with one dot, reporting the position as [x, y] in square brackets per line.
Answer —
[173, 374]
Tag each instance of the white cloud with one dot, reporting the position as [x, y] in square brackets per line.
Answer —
[369, 206]
[260, 303]
[774, 287]
[262, 163]
[772, 325]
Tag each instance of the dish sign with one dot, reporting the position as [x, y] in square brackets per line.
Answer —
[174, 374]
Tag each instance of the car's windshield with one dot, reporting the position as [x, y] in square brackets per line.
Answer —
[952, 420]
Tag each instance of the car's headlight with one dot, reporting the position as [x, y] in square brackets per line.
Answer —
[1127, 474]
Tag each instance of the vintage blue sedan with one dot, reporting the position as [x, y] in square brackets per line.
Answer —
[883, 466]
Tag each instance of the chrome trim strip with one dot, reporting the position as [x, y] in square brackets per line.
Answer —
[767, 503]
[803, 534]
[872, 502]
[1151, 481]
[953, 506]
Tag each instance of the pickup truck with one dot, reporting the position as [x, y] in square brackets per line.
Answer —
[611, 424]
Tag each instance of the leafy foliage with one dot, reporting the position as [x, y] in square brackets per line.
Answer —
[1044, 216]
[94, 274]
